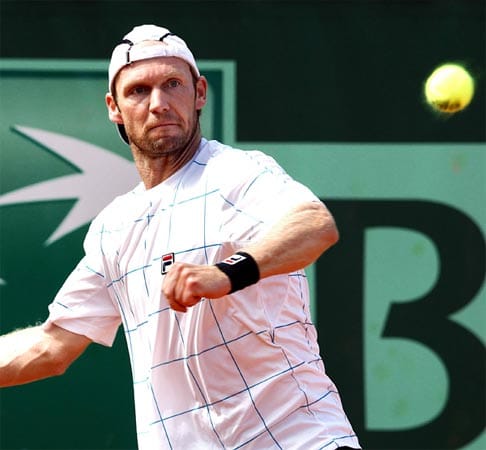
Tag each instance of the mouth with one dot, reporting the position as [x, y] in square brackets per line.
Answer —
[163, 125]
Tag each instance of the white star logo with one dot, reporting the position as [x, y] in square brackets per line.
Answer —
[103, 175]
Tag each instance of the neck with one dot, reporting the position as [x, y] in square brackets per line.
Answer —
[155, 170]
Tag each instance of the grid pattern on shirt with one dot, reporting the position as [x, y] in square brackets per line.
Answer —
[214, 377]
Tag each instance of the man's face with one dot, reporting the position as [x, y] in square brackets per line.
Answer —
[157, 101]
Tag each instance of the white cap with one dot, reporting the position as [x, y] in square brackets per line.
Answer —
[127, 51]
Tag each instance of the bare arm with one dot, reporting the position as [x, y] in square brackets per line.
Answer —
[38, 352]
[296, 241]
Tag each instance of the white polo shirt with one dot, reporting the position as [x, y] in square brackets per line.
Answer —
[242, 371]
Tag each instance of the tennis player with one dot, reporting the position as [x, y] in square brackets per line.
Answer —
[202, 264]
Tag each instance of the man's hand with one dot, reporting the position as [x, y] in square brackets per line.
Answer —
[186, 284]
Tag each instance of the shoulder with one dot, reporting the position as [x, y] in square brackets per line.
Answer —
[238, 162]
[118, 208]
[254, 175]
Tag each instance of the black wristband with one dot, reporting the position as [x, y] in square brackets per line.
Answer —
[241, 269]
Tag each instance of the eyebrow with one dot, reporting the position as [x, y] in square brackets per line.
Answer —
[174, 72]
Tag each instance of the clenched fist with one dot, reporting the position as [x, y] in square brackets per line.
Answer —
[185, 284]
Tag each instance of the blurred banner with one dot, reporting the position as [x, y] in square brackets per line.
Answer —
[399, 302]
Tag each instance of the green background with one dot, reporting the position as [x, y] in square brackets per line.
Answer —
[333, 90]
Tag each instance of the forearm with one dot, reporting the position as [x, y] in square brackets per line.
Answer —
[22, 356]
[296, 241]
[35, 353]
[292, 244]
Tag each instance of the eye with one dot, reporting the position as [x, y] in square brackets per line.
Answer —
[173, 83]
[139, 90]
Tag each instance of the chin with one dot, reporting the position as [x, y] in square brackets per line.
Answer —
[166, 145]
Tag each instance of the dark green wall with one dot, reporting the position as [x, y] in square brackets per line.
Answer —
[349, 70]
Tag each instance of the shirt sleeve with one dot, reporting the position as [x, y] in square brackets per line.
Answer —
[83, 304]
[263, 194]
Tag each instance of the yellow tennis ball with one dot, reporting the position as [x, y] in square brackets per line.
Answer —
[449, 88]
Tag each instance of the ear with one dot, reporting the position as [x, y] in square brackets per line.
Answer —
[113, 111]
[201, 90]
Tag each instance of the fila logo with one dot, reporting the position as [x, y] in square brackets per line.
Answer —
[167, 261]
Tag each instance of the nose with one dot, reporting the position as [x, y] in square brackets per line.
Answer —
[158, 101]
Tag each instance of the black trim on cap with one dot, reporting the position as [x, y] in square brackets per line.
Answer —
[165, 35]
[122, 133]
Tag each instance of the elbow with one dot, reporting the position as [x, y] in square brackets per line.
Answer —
[58, 367]
[330, 234]
[62, 348]
[50, 362]
[59, 360]
[328, 229]
[333, 232]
